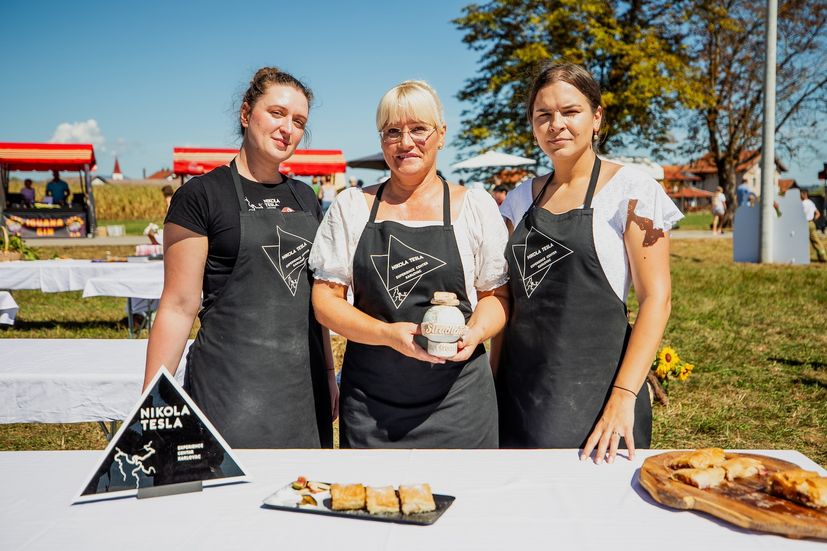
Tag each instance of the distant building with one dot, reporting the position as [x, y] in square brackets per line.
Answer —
[748, 170]
[116, 172]
[163, 174]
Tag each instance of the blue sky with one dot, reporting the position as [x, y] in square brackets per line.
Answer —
[154, 75]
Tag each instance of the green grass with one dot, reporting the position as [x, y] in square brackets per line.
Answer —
[132, 227]
[701, 220]
[755, 334]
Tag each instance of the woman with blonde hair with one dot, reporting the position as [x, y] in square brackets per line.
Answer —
[396, 244]
[572, 370]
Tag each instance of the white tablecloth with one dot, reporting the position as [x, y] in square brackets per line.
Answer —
[71, 380]
[53, 276]
[8, 308]
[505, 500]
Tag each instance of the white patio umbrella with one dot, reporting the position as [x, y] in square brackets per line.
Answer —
[493, 158]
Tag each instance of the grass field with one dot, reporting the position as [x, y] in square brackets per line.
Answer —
[755, 334]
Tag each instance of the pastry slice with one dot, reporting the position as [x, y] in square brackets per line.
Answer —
[701, 478]
[699, 459]
[416, 499]
[742, 467]
[804, 487]
[381, 500]
[346, 497]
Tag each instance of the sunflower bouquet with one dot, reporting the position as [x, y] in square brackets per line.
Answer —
[667, 367]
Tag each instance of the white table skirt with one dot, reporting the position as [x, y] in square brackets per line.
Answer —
[54, 276]
[148, 288]
[71, 380]
[8, 308]
[505, 500]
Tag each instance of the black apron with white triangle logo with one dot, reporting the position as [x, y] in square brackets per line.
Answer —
[566, 336]
[389, 400]
[256, 368]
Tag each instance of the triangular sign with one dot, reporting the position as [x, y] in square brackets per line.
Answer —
[166, 439]
[289, 257]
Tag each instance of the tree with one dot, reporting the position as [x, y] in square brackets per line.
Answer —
[726, 43]
[629, 46]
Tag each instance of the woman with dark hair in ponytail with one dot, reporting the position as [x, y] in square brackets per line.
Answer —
[261, 367]
[572, 370]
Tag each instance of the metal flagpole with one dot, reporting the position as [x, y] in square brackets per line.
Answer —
[768, 150]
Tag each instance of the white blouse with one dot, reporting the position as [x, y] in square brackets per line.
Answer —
[610, 206]
[479, 230]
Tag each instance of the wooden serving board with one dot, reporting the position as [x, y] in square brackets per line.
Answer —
[742, 502]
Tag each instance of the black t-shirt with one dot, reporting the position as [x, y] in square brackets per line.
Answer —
[208, 205]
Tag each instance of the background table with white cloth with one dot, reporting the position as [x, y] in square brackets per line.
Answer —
[505, 500]
[71, 380]
[56, 276]
[142, 279]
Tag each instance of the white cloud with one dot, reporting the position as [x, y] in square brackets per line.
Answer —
[80, 132]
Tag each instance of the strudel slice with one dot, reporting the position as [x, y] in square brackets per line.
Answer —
[804, 487]
[701, 478]
[742, 467]
[382, 500]
[416, 499]
[346, 497]
[699, 459]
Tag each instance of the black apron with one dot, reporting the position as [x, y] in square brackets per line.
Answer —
[257, 366]
[389, 400]
[567, 334]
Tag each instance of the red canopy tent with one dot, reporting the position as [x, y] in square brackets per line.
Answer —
[304, 162]
[48, 156]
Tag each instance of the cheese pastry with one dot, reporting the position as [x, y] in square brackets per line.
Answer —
[701, 478]
[416, 499]
[804, 487]
[699, 459]
[382, 500]
[345, 497]
[742, 467]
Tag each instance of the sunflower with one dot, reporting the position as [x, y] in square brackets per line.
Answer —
[668, 358]
[661, 372]
[686, 369]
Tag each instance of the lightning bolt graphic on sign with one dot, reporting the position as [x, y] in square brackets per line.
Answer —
[288, 257]
[535, 257]
[402, 268]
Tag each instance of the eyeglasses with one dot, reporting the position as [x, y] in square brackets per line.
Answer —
[419, 134]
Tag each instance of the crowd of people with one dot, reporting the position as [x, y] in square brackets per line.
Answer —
[543, 270]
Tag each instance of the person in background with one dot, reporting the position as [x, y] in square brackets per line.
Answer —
[351, 182]
[572, 371]
[500, 192]
[316, 185]
[360, 183]
[396, 244]
[811, 214]
[57, 189]
[718, 211]
[327, 193]
[744, 195]
[27, 192]
[261, 367]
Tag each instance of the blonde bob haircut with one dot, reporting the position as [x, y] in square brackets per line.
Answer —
[413, 100]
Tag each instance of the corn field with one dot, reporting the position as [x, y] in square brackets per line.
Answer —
[116, 202]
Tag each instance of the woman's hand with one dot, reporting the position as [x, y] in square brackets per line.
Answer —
[618, 419]
[400, 337]
[333, 388]
[466, 345]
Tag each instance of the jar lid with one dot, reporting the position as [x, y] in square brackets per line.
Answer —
[445, 298]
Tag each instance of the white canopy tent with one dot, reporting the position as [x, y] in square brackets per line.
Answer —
[493, 158]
